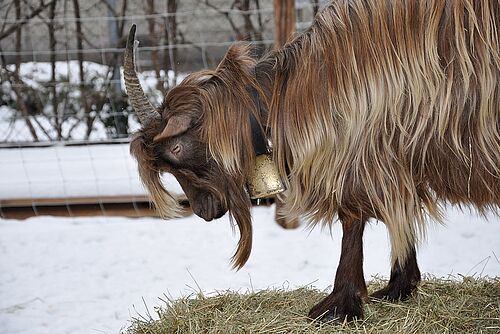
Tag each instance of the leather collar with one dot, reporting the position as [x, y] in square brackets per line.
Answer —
[259, 140]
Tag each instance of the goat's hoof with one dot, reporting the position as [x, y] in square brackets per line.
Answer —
[393, 292]
[335, 314]
[385, 294]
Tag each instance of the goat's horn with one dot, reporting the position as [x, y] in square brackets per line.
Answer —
[142, 106]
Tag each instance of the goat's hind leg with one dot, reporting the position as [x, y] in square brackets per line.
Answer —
[403, 281]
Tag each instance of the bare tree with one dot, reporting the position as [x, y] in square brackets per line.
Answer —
[111, 94]
[251, 32]
[153, 36]
[51, 25]
[171, 41]
[16, 82]
[315, 6]
[83, 94]
[20, 21]
[248, 31]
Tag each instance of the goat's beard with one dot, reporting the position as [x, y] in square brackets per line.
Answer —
[239, 204]
[237, 201]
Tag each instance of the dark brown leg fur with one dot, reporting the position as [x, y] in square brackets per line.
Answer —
[349, 291]
[403, 281]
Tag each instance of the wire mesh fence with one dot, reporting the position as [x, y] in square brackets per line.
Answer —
[61, 91]
[61, 59]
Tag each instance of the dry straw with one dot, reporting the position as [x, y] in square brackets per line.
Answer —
[438, 306]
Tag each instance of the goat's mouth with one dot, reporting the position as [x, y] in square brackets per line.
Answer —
[208, 207]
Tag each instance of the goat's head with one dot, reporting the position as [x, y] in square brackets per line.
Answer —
[200, 134]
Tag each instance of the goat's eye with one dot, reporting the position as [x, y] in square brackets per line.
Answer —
[176, 149]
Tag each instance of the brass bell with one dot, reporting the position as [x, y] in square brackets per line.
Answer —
[264, 180]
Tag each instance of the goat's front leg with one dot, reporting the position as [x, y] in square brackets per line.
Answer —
[349, 290]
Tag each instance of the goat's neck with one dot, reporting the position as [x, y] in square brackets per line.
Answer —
[264, 75]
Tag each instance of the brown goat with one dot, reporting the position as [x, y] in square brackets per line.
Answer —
[381, 109]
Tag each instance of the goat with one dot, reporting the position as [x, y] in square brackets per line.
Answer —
[381, 109]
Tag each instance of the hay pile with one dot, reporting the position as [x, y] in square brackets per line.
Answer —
[439, 306]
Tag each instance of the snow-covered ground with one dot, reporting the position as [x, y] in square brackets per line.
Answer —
[90, 275]
[71, 171]
[37, 74]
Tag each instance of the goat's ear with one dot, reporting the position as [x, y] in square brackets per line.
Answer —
[237, 57]
[176, 125]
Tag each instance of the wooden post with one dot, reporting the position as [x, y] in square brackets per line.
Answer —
[284, 21]
[284, 27]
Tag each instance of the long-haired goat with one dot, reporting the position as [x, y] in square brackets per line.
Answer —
[381, 109]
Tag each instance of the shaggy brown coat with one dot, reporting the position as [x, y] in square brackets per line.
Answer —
[381, 109]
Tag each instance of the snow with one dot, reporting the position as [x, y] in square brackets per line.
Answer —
[68, 72]
[37, 74]
[90, 275]
[72, 171]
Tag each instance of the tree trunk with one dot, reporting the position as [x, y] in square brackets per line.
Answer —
[150, 8]
[315, 6]
[171, 40]
[250, 30]
[259, 16]
[53, 87]
[22, 21]
[79, 47]
[121, 22]
[16, 82]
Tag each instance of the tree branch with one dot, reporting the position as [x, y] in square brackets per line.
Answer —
[110, 8]
[226, 15]
[11, 29]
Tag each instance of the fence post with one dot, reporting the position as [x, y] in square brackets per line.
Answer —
[284, 21]
[284, 27]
